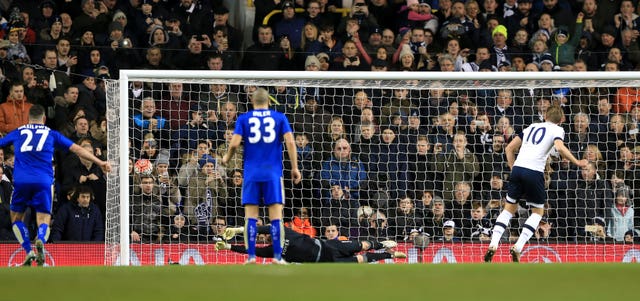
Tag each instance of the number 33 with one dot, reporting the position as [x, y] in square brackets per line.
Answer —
[257, 128]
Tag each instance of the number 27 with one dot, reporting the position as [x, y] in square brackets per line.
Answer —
[26, 145]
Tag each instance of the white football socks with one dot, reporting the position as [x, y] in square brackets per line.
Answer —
[502, 222]
[529, 228]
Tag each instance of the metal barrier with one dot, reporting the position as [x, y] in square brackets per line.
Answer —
[265, 21]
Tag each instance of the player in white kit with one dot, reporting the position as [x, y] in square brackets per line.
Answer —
[527, 177]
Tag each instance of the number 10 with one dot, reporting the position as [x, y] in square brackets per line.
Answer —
[537, 135]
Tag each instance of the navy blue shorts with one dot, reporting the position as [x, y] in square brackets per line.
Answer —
[266, 192]
[527, 183]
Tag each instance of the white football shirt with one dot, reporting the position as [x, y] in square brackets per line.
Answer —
[537, 143]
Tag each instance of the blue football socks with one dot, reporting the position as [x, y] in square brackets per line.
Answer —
[22, 234]
[250, 236]
[277, 238]
[43, 233]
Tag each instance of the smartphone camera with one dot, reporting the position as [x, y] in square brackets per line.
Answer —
[125, 43]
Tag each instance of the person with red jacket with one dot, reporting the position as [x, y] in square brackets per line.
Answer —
[15, 111]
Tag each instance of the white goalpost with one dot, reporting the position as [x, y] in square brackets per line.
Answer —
[374, 206]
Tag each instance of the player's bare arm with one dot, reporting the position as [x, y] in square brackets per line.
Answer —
[289, 142]
[511, 150]
[235, 143]
[566, 153]
[81, 152]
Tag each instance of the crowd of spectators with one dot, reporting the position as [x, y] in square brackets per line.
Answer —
[388, 163]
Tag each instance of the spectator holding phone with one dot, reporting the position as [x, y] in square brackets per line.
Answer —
[226, 55]
[196, 56]
[480, 133]
[351, 59]
[330, 44]
[359, 14]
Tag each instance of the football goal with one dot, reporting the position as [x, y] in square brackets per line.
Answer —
[384, 155]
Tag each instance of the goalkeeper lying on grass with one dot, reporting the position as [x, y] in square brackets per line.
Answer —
[300, 248]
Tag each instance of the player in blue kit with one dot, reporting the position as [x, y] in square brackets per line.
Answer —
[262, 131]
[34, 144]
[527, 177]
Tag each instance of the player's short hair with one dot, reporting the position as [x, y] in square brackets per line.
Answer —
[260, 96]
[554, 114]
[36, 112]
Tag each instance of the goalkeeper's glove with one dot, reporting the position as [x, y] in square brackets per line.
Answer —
[221, 245]
[230, 232]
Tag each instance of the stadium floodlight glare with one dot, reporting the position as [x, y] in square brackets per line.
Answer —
[334, 92]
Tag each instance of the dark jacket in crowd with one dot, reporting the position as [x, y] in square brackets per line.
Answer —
[76, 223]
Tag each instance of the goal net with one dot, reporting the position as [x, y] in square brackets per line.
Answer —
[384, 155]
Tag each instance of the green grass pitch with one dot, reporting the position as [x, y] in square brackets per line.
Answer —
[327, 282]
